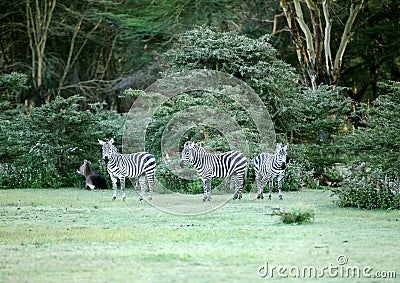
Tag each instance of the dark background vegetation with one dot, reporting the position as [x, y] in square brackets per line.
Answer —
[65, 67]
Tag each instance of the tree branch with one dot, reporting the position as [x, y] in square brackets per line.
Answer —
[346, 35]
[327, 37]
[309, 43]
[294, 31]
[306, 31]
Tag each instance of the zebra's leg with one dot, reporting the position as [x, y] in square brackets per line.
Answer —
[122, 180]
[228, 182]
[204, 186]
[271, 185]
[238, 185]
[259, 187]
[114, 186]
[150, 181]
[142, 183]
[208, 184]
[234, 180]
[280, 178]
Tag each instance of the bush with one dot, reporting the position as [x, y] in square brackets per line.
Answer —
[296, 176]
[298, 215]
[368, 191]
[45, 148]
[379, 142]
[11, 87]
[254, 61]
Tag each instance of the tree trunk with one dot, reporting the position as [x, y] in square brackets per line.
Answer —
[38, 16]
[313, 42]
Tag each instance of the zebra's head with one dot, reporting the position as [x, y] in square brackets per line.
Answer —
[280, 153]
[187, 155]
[108, 149]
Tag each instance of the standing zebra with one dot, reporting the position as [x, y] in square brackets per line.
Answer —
[139, 165]
[232, 164]
[267, 167]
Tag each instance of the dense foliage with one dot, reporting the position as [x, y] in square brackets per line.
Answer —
[44, 148]
[378, 145]
[255, 61]
[74, 59]
[299, 114]
[379, 142]
[99, 48]
[369, 191]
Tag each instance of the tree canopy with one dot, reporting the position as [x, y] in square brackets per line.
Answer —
[99, 48]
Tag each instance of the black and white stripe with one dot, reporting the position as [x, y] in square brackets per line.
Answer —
[232, 164]
[139, 165]
[267, 167]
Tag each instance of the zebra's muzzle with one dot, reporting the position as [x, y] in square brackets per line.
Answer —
[105, 159]
[182, 164]
[283, 166]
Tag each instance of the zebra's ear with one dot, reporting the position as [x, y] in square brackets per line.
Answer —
[111, 141]
[101, 142]
[285, 147]
[278, 147]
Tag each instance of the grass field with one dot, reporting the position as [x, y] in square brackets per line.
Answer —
[72, 235]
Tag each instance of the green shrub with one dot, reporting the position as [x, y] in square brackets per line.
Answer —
[379, 142]
[254, 61]
[297, 215]
[11, 87]
[45, 148]
[296, 176]
[368, 191]
[173, 183]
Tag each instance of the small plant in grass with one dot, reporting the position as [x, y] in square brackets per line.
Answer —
[296, 215]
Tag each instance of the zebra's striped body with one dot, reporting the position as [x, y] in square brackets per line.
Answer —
[267, 167]
[139, 165]
[232, 164]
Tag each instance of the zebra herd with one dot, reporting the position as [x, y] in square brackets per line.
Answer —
[232, 165]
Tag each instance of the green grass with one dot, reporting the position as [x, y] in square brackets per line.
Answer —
[71, 235]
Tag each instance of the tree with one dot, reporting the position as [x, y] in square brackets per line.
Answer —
[313, 39]
[373, 54]
[255, 61]
[39, 15]
[65, 48]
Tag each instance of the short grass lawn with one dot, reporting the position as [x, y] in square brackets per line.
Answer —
[72, 235]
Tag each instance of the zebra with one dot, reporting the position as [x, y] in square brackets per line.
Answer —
[232, 164]
[139, 165]
[267, 167]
